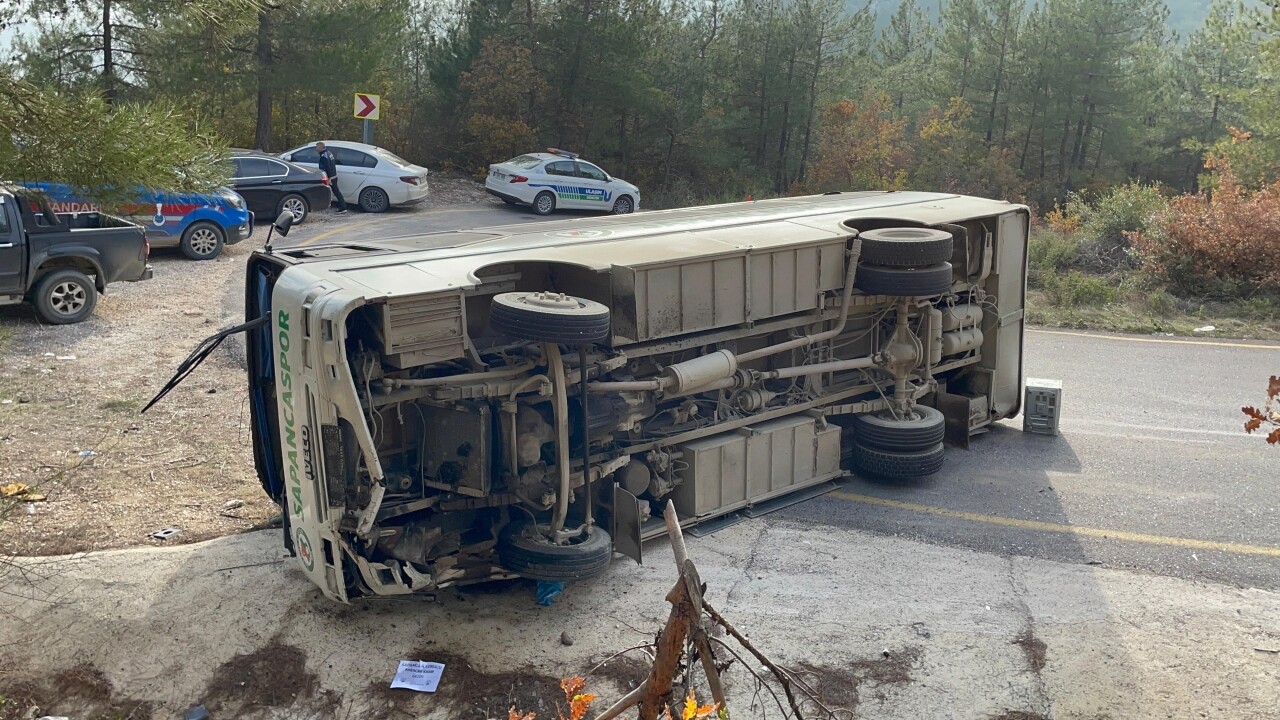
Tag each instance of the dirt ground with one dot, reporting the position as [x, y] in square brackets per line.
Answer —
[882, 627]
[70, 397]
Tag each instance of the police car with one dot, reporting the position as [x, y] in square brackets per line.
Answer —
[557, 179]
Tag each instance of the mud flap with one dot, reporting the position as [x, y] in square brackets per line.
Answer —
[626, 524]
[956, 410]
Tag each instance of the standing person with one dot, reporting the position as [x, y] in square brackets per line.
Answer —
[330, 167]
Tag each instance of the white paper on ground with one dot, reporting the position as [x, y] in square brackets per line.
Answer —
[418, 675]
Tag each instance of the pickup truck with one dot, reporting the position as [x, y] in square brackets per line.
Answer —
[61, 263]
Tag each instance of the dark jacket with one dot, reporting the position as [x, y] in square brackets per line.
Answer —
[328, 164]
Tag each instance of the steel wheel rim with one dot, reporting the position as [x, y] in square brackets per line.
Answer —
[204, 241]
[296, 208]
[377, 200]
[544, 204]
[68, 298]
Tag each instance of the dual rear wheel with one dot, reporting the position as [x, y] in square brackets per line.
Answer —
[899, 447]
[902, 262]
[905, 262]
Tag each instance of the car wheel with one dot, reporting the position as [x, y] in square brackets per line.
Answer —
[202, 241]
[295, 205]
[544, 204]
[65, 296]
[623, 206]
[374, 200]
[526, 551]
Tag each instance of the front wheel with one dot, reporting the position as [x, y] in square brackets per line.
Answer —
[526, 551]
[374, 200]
[544, 204]
[623, 206]
[65, 296]
[295, 205]
[202, 241]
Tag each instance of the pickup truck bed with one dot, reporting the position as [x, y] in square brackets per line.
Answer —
[62, 262]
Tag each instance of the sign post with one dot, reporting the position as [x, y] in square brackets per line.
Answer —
[367, 108]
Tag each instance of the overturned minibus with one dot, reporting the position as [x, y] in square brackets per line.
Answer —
[447, 408]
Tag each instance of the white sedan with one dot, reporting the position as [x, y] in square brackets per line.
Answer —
[559, 179]
[374, 178]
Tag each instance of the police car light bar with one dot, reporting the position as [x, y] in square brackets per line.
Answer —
[563, 153]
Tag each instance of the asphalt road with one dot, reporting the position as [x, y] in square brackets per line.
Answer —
[1152, 471]
[357, 226]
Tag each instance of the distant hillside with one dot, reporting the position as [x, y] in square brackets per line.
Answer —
[1185, 16]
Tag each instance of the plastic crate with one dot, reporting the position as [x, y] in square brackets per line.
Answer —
[1042, 407]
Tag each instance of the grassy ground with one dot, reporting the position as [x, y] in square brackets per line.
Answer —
[1067, 287]
[1133, 314]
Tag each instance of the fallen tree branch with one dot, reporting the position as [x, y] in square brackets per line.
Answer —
[754, 674]
[742, 640]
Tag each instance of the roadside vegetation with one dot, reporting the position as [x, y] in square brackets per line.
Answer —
[1144, 134]
[1139, 259]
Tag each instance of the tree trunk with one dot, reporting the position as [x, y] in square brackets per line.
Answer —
[1097, 163]
[666, 165]
[1062, 148]
[995, 91]
[1026, 141]
[1088, 133]
[265, 61]
[784, 136]
[108, 55]
[813, 107]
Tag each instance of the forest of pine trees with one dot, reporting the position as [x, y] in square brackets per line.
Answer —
[708, 99]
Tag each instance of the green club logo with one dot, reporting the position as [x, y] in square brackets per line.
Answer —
[303, 544]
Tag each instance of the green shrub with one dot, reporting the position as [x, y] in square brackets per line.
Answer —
[1129, 208]
[1259, 309]
[1161, 303]
[1075, 289]
[1049, 253]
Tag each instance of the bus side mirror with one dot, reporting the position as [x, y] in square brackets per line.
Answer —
[284, 222]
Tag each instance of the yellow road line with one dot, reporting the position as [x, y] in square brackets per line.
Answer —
[1228, 547]
[343, 227]
[1159, 341]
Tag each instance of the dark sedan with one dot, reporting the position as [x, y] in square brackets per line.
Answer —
[271, 186]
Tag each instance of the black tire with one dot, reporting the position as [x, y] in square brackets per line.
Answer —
[922, 431]
[65, 296]
[897, 465]
[624, 205]
[904, 282]
[296, 205]
[374, 200]
[525, 551]
[549, 317]
[544, 203]
[906, 247]
[203, 241]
